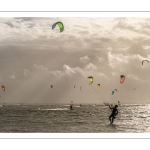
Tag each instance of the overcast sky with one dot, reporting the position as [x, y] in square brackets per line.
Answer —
[33, 57]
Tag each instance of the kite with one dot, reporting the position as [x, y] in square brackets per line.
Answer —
[3, 87]
[81, 87]
[112, 93]
[144, 60]
[91, 79]
[60, 24]
[74, 86]
[51, 86]
[98, 85]
[122, 78]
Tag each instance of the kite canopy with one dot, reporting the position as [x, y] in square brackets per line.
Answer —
[51, 86]
[112, 93]
[144, 60]
[3, 87]
[91, 79]
[122, 78]
[60, 24]
[98, 85]
[115, 89]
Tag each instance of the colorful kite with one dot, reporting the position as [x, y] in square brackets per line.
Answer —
[3, 88]
[91, 79]
[112, 93]
[122, 78]
[144, 60]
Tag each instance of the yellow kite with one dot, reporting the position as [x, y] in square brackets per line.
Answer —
[98, 85]
[91, 79]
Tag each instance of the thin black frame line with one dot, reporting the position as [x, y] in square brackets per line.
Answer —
[75, 11]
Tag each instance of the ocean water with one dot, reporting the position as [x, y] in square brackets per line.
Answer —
[58, 118]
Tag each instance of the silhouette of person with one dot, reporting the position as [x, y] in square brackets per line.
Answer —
[113, 114]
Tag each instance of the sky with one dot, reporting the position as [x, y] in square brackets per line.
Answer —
[33, 56]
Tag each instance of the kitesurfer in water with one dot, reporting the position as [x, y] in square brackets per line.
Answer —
[71, 105]
[113, 114]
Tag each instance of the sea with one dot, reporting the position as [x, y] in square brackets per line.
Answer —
[87, 118]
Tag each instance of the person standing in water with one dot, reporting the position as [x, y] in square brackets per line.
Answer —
[113, 114]
[71, 105]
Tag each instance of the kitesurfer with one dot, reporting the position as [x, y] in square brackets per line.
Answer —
[71, 105]
[71, 108]
[113, 114]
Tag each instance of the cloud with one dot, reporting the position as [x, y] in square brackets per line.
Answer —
[32, 58]
[68, 70]
[26, 72]
[100, 59]
[109, 49]
[90, 66]
[129, 65]
[56, 73]
[12, 76]
[10, 24]
[137, 48]
[124, 25]
[133, 77]
[115, 73]
[102, 75]
[121, 60]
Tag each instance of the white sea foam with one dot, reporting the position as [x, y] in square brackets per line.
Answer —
[55, 109]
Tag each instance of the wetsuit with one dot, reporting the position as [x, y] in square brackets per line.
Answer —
[71, 107]
[113, 114]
